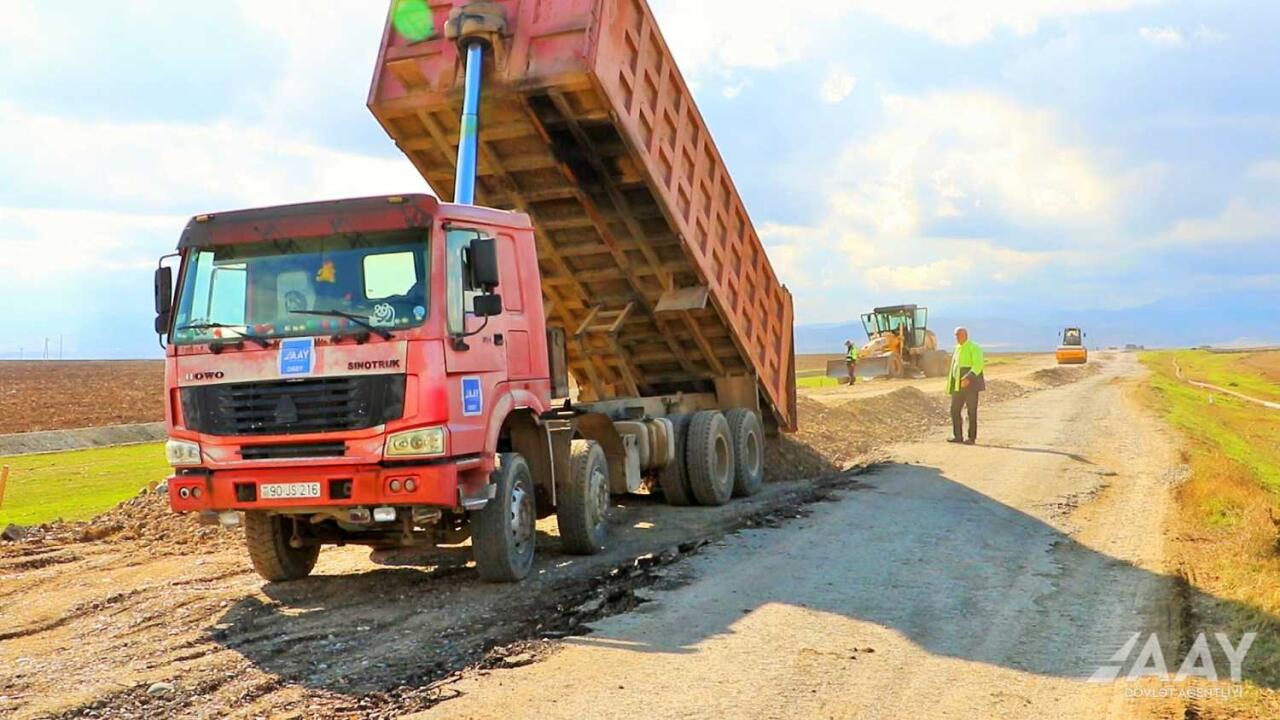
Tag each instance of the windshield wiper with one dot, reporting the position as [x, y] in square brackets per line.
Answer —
[361, 320]
[256, 339]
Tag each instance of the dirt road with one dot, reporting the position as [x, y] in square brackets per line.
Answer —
[947, 582]
[957, 582]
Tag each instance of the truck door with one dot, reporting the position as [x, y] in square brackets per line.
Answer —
[476, 363]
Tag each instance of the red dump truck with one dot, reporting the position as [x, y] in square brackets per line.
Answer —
[409, 371]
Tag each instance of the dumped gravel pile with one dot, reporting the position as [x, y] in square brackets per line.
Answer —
[1059, 376]
[142, 519]
[1002, 390]
[832, 439]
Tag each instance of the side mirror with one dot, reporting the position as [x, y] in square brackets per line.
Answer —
[487, 306]
[164, 298]
[484, 264]
[164, 290]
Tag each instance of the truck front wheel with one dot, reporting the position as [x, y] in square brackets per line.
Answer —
[709, 458]
[502, 536]
[582, 508]
[268, 538]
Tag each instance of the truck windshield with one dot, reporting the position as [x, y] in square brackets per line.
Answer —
[260, 288]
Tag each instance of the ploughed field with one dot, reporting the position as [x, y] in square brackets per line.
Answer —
[66, 395]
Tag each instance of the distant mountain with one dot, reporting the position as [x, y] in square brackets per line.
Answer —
[1223, 319]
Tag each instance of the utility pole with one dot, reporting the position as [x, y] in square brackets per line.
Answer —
[46, 348]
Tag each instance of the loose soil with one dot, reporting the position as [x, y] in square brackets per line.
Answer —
[94, 615]
[67, 395]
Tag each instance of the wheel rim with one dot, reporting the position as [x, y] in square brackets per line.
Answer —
[724, 470]
[753, 454]
[522, 518]
[599, 505]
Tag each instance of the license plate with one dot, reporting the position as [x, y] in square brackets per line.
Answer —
[291, 491]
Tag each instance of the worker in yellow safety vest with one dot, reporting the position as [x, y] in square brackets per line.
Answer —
[964, 383]
[851, 360]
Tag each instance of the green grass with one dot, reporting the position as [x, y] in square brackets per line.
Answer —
[816, 381]
[1241, 431]
[1228, 370]
[77, 485]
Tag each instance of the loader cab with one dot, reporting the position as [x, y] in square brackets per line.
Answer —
[892, 320]
[1073, 337]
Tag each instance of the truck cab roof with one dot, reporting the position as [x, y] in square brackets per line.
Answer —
[314, 219]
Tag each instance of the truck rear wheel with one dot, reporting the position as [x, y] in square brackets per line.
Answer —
[674, 479]
[582, 504]
[503, 533]
[748, 452]
[709, 456]
[276, 560]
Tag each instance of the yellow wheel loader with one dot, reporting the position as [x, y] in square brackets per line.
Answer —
[1072, 350]
[899, 344]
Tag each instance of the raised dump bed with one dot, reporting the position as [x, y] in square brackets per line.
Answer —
[649, 259]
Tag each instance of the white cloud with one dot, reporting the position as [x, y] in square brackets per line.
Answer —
[1240, 221]
[967, 23]
[718, 35]
[1209, 35]
[147, 166]
[731, 92]
[323, 41]
[953, 155]
[39, 244]
[895, 196]
[939, 275]
[1174, 37]
[1265, 170]
[1163, 36]
[837, 85]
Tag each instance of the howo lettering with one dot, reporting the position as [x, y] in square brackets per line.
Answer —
[436, 372]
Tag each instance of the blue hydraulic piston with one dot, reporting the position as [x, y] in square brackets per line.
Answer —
[464, 192]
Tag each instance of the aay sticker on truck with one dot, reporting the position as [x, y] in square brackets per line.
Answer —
[297, 357]
[472, 397]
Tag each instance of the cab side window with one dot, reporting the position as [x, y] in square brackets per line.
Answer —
[462, 291]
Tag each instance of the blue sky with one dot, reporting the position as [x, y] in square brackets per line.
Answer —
[1013, 157]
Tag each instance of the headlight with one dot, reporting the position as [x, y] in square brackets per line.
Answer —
[182, 453]
[427, 442]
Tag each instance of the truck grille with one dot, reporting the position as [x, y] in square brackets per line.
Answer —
[294, 407]
[293, 452]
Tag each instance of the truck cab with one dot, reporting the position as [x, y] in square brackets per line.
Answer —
[379, 371]
[331, 362]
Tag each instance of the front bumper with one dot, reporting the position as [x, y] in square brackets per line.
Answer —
[340, 486]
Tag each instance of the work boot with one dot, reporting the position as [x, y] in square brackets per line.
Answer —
[970, 441]
[956, 441]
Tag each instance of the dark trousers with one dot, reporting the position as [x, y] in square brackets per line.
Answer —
[853, 372]
[967, 397]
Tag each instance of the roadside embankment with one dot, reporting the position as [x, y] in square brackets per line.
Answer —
[1225, 535]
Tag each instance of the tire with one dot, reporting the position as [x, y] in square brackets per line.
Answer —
[674, 479]
[709, 456]
[267, 537]
[748, 452]
[582, 504]
[503, 534]
[935, 364]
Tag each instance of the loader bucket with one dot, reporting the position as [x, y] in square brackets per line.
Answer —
[875, 367]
